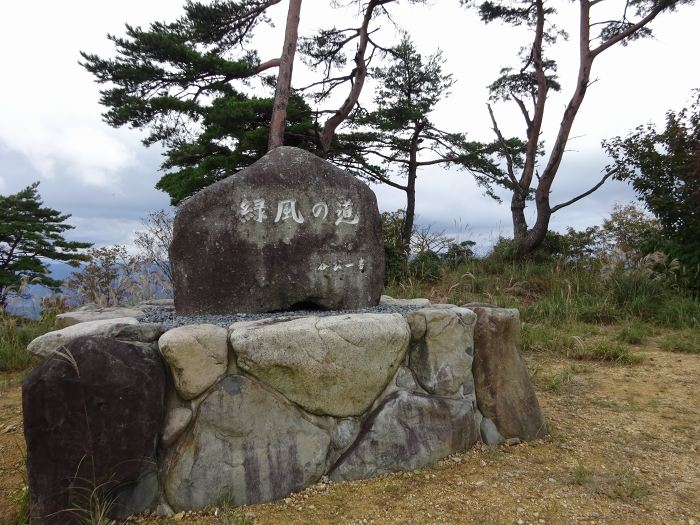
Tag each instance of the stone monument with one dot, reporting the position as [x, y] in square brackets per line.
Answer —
[290, 231]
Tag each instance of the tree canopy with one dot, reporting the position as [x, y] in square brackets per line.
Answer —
[398, 137]
[663, 167]
[527, 87]
[186, 85]
[31, 234]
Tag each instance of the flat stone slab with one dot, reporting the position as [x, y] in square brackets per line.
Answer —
[45, 344]
[332, 365]
[417, 302]
[92, 313]
[289, 231]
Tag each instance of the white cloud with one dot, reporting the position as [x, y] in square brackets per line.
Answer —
[88, 155]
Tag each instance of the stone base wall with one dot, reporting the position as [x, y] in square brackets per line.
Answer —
[254, 412]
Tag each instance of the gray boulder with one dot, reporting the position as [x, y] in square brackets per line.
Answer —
[289, 231]
[248, 446]
[441, 348]
[93, 313]
[408, 431]
[504, 391]
[45, 344]
[197, 356]
[334, 365]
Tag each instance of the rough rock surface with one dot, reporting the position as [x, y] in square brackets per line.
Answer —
[408, 431]
[328, 365]
[93, 313]
[248, 445]
[117, 387]
[197, 356]
[51, 341]
[489, 433]
[441, 349]
[175, 424]
[390, 301]
[503, 387]
[290, 230]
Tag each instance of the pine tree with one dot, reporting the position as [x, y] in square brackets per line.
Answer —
[31, 234]
[398, 138]
[188, 85]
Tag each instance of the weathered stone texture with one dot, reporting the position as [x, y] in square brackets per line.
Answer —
[92, 418]
[503, 387]
[197, 356]
[45, 344]
[441, 348]
[247, 446]
[94, 313]
[290, 230]
[334, 365]
[406, 432]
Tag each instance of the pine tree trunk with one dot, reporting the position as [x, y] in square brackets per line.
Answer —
[284, 77]
[411, 188]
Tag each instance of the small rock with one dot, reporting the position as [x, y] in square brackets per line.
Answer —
[513, 441]
[179, 516]
[9, 428]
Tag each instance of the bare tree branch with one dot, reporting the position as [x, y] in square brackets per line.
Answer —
[584, 194]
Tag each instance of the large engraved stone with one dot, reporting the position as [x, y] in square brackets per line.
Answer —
[289, 231]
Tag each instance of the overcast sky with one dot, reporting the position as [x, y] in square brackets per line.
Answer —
[51, 129]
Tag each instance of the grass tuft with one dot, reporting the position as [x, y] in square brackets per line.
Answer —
[687, 341]
[15, 334]
[605, 350]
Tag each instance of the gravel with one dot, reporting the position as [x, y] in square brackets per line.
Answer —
[167, 317]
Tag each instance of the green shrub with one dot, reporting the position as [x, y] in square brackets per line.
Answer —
[426, 266]
[395, 267]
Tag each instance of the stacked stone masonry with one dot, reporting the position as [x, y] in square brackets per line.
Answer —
[196, 415]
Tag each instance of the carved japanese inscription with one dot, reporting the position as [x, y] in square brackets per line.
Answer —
[290, 231]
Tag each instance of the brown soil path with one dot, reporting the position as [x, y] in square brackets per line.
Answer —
[623, 450]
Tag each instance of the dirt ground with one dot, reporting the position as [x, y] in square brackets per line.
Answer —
[623, 449]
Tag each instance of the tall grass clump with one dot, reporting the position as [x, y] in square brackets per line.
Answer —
[15, 334]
